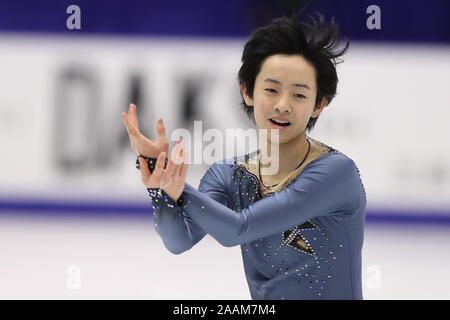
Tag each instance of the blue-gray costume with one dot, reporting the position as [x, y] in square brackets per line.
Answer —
[300, 240]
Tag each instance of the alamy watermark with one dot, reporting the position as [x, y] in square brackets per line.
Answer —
[373, 280]
[223, 148]
[73, 281]
[374, 20]
[73, 22]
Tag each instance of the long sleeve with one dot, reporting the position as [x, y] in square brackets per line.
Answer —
[178, 231]
[325, 186]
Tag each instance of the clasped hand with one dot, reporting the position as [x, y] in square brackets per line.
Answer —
[172, 178]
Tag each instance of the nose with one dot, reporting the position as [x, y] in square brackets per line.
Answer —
[282, 105]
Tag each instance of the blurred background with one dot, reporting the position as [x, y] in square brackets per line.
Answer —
[75, 218]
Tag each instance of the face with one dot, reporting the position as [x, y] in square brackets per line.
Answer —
[285, 91]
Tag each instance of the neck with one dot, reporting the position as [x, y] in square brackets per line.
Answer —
[290, 155]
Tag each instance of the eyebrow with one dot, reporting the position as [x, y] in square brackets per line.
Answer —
[302, 85]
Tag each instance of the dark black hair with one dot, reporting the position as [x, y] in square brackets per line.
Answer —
[316, 42]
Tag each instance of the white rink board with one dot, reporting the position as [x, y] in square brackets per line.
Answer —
[390, 114]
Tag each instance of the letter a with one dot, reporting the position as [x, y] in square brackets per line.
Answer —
[373, 21]
[74, 20]
[374, 277]
[73, 282]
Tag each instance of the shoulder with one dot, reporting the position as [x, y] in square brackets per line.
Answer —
[334, 166]
[335, 159]
[335, 172]
[326, 156]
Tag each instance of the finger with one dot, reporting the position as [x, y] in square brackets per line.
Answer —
[125, 121]
[169, 171]
[132, 115]
[159, 167]
[131, 136]
[131, 132]
[184, 166]
[175, 160]
[161, 130]
[172, 164]
[175, 155]
[131, 129]
[183, 169]
[145, 171]
[176, 170]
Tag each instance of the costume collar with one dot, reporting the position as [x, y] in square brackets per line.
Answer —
[251, 165]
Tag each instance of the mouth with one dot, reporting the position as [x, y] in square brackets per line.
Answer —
[279, 124]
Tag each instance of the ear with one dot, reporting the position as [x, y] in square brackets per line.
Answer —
[318, 109]
[247, 99]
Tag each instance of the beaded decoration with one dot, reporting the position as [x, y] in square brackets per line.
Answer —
[293, 237]
[151, 162]
[160, 198]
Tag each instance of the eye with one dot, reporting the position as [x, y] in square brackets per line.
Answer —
[271, 90]
[299, 95]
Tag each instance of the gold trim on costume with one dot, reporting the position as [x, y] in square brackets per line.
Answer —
[293, 237]
[251, 165]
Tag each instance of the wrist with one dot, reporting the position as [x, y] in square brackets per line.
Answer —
[150, 161]
[161, 198]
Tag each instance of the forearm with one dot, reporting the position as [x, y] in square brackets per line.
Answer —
[221, 222]
[178, 232]
[322, 189]
[216, 219]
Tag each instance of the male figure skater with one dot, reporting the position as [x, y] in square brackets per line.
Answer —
[300, 229]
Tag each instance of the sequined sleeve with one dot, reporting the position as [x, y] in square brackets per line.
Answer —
[326, 186]
[178, 231]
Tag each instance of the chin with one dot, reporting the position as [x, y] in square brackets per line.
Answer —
[282, 138]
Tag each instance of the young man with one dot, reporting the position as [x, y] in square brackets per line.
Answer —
[300, 229]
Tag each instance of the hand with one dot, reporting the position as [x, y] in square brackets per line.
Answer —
[139, 143]
[171, 179]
